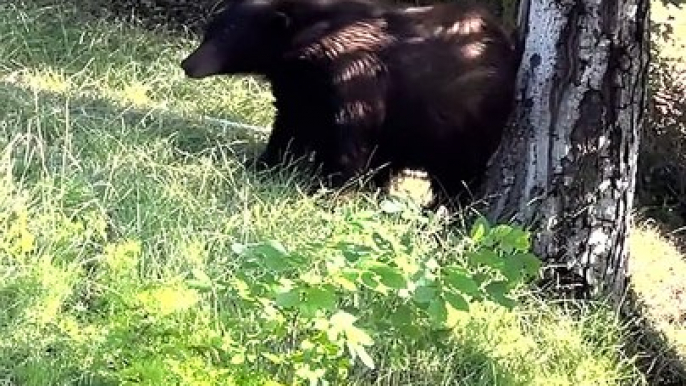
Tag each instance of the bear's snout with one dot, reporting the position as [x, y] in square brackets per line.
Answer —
[201, 63]
[190, 68]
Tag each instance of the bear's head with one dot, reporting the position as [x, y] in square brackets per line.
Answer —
[246, 37]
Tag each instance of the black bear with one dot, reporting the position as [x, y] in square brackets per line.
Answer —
[371, 86]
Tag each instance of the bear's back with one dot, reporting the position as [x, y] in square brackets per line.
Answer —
[452, 88]
[433, 86]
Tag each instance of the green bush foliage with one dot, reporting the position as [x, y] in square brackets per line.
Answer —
[343, 296]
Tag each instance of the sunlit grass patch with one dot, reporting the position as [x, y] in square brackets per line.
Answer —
[54, 49]
[657, 272]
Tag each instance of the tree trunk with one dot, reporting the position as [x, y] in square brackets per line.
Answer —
[567, 164]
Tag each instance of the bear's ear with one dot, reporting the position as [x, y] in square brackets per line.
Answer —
[281, 20]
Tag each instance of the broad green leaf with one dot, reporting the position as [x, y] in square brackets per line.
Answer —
[498, 290]
[518, 239]
[410, 331]
[271, 248]
[308, 310]
[512, 270]
[350, 274]
[369, 279]
[458, 279]
[438, 311]
[486, 257]
[509, 239]
[274, 258]
[501, 231]
[403, 315]
[456, 301]
[530, 263]
[390, 277]
[480, 278]
[288, 299]
[271, 255]
[296, 259]
[479, 229]
[424, 294]
[321, 297]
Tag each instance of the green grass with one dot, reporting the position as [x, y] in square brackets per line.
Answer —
[114, 189]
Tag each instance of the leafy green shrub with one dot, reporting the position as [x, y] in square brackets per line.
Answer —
[322, 306]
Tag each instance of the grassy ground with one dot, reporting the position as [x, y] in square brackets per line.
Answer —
[658, 279]
[114, 189]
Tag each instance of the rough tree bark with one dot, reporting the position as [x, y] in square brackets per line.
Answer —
[567, 164]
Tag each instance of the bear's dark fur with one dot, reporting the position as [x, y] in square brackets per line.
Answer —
[364, 84]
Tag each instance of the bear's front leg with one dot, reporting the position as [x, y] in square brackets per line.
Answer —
[348, 156]
[360, 89]
[358, 121]
[282, 142]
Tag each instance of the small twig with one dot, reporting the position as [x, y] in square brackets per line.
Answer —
[229, 123]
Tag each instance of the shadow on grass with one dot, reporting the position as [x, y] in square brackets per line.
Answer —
[657, 357]
[127, 125]
[125, 158]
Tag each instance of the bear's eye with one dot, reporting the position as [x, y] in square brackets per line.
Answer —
[219, 28]
[229, 27]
